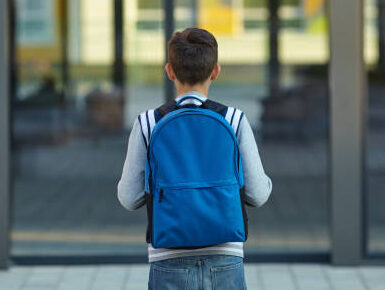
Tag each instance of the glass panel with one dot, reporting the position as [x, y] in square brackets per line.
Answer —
[375, 150]
[293, 136]
[71, 126]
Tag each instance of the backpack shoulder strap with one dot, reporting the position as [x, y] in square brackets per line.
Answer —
[208, 104]
[214, 106]
[167, 108]
[232, 115]
[149, 118]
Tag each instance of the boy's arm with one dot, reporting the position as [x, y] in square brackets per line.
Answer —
[131, 184]
[257, 184]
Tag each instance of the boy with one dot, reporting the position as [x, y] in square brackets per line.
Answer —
[192, 66]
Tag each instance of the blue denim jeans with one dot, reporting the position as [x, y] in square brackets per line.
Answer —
[198, 272]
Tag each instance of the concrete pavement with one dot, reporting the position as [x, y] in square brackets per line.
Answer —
[134, 277]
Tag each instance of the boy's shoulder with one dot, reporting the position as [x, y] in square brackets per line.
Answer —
[231, 114]
[149, 118]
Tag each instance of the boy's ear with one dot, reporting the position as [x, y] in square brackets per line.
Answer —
[170, 72]
[215, 72]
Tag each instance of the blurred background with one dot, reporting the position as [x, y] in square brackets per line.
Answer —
[84, 70]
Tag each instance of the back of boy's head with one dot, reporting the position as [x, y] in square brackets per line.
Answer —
[192, 54]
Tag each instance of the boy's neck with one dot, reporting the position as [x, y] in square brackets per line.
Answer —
[203, 89]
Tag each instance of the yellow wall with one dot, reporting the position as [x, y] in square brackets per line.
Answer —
[219, 18]
[47, 53]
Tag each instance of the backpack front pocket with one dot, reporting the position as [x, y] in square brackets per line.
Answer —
[197, 217]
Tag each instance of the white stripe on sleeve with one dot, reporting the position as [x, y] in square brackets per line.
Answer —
[236, 119]
[143, 122]
[151, 119]
[229, 114]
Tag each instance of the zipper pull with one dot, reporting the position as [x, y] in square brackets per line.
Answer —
[160, 195]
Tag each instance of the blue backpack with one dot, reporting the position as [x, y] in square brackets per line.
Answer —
[193, 176]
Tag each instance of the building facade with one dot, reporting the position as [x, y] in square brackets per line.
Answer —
[74, 74]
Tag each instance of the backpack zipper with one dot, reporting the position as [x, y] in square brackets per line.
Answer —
[160, 195]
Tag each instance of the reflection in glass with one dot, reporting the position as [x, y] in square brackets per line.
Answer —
[70, 134]
[291, 130]
[375, 152]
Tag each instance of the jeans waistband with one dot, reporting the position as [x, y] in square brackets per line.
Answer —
[193, 260]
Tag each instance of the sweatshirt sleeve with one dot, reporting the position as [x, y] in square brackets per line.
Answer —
[257, 184]
[131, 185]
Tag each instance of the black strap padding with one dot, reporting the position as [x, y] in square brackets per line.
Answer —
[167, 108]
[208, 104]
[214, 106]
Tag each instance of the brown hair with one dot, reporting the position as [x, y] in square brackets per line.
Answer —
[192, 54]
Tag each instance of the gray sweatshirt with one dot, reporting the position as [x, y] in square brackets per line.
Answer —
[257, 184]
